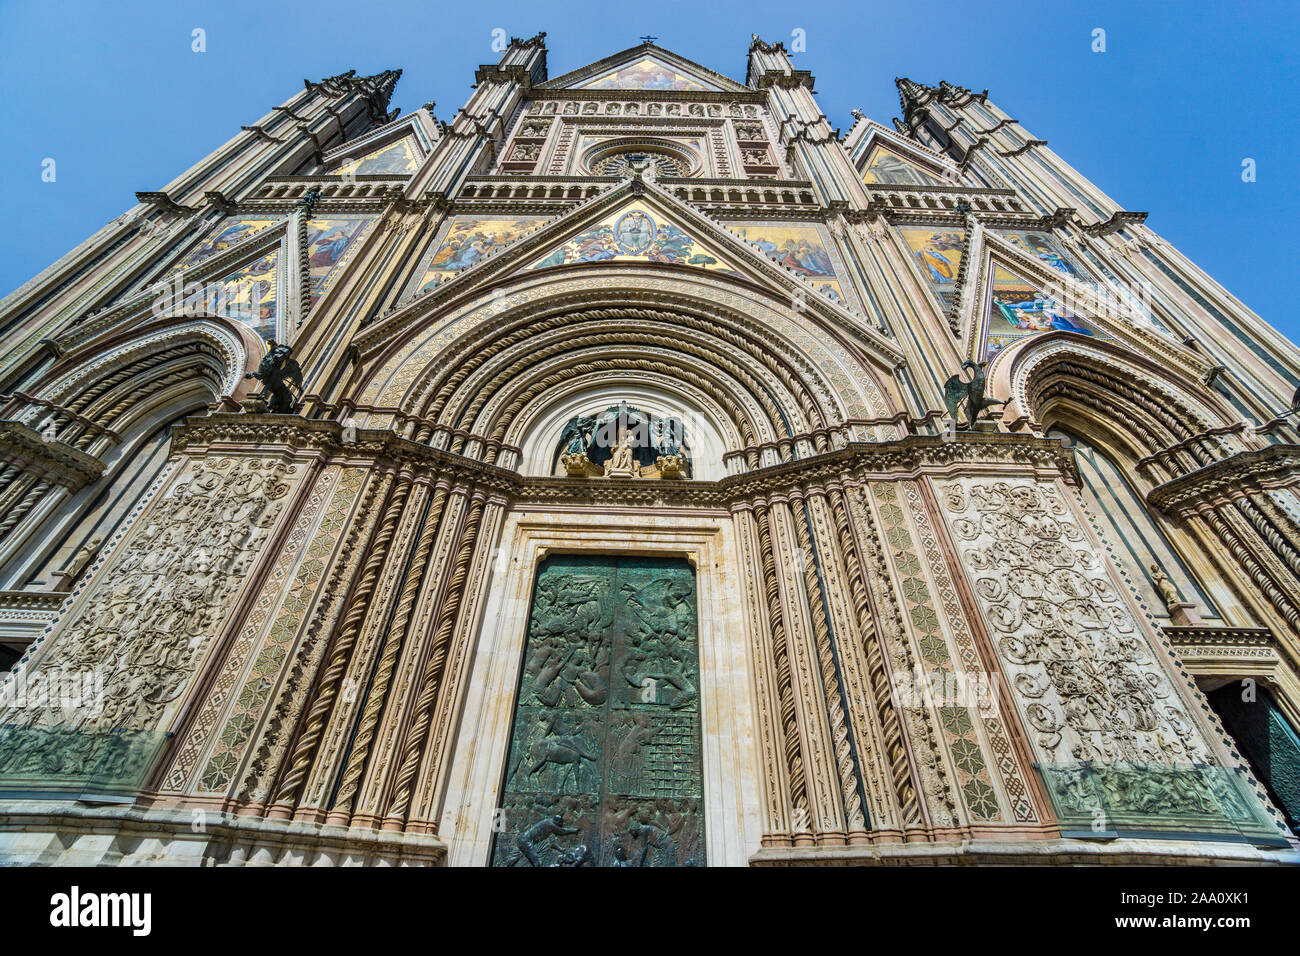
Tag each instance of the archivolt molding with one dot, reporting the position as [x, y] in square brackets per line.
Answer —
[1248, 473]
[1179, 425]
[454, 370]
[99, 366]
[98, 397]
[52, 462]
[716, 344]
[745, 407]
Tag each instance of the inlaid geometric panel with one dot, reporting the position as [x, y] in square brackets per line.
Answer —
[604, 766]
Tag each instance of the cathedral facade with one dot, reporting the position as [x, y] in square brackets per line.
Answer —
[637, 471]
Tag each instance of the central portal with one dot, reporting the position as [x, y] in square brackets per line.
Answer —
[604, 765]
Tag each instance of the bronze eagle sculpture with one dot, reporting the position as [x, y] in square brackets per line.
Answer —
[957, 391]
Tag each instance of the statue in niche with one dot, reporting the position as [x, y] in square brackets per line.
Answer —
[577, 434]
[625, 442]
[575, 439]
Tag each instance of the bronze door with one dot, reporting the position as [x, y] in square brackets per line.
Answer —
[604, 766]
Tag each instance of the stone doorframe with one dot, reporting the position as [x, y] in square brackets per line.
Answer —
[731, 796]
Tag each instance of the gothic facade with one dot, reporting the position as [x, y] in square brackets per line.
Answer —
[625, 486]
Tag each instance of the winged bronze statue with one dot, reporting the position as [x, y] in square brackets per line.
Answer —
[577, 434]
[958, 391]
[275, 370]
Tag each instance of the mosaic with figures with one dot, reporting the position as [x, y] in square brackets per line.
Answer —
[648, 73]
[938, 254]
[465, 242]
[250, 295]
[634, 233]
[328, 242]
[887, 168]
[229, 232]
[396, 159]
[1019, 309]
[804, 249]
[1046, 249]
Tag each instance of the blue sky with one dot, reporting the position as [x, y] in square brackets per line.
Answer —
[1161, 121]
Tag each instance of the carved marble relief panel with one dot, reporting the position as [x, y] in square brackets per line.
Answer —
[1117, 743]
[1082, 669]
[146, 625]
[604, 763]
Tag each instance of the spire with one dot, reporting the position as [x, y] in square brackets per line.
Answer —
[375, 89]
[951, 94]
[912, 95]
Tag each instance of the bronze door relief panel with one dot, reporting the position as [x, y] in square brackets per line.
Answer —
[604, 767]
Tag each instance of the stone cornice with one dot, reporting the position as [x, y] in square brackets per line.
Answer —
[1228, 479]
[50, 461]
[1204, 635]
[1115, 223]
[32, 600]
[908, 457]
[790, 80]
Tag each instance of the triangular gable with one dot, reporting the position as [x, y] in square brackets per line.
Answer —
[634, 232]
[1047, 249]
[648, 73]
[677, 234]
[465, 241]
[885, 167]
[398, 158]
[645, 68]
[1044, 247]
[1020, 308]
